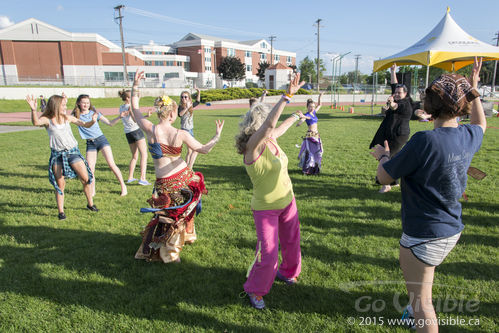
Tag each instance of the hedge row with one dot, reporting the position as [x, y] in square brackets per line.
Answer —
[239, 93]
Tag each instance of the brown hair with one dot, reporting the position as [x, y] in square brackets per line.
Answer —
[77, 110]
[183, 105]
[252, 101]
[53, 109]
[309, 101]
[124, 94]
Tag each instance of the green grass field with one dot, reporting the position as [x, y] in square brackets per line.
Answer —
[80, 275]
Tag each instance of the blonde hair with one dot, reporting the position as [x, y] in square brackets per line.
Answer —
[251, 122]
[165, 109]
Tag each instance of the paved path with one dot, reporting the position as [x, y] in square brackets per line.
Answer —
[26, 116]
[8, 129]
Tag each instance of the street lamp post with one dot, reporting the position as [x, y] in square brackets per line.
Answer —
[333, 82]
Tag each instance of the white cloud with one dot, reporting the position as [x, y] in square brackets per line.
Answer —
[60, 8]
[5, 22]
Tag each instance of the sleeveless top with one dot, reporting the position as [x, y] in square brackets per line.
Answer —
[159, 150]
[313, 118]
[128, 124]
[272, 188]
[61, 137]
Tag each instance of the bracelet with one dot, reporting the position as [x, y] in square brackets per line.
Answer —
[289, 95]
[286, 97]
[384, 155]
[297, 117]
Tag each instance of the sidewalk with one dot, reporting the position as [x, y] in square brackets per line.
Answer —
[26, 116]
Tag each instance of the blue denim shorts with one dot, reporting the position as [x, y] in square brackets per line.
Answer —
[191, 132]
[97, 143]
[72, 158]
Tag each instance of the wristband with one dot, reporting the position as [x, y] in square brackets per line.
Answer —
[289, 95]
[384, 155]
[296, 116]
[286, 97]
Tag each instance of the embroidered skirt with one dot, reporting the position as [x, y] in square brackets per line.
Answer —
[174, 202]
[310, 156]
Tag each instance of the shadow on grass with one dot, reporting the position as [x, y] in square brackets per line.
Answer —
[118, 283]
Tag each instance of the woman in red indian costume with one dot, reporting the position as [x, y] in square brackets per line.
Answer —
[177, 190]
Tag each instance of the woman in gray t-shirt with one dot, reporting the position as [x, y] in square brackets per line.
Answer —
[186, 114]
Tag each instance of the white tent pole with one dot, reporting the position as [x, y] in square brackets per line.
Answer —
[427, 75]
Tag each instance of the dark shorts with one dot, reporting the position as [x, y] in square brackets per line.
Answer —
[134, 136]
[191, 132]
[97, 143]
[72, 158]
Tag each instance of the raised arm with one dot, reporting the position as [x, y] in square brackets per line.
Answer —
[286, 124]
[41, 122]
[198, 98]
[143, 123]
[262, 98]
[477, 114]
[199, 147]
[267, 128]
[319, 104]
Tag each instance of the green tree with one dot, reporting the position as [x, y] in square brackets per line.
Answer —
[307, 70]
[231, 68]
[322, 69]
[262, 67]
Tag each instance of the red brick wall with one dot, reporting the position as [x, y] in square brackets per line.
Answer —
[7, 49]
[37, 59]
[197, 60]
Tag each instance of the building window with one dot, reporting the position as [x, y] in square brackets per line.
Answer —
[276, 57]
[263, 45]
[147, 63]
[248, 54]
[207, 59]
[208, 68]
[173, 75]
[263, 57]
[169, 63]
[207, 50]
[288, 59]
[113, 76]
[158, 63]
[248, 68]
[231, 52]
[187, 66]
[152, 76]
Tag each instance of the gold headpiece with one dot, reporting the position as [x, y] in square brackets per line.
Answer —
[166, 100]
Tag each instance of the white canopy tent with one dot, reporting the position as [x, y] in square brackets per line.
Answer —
[447, 46]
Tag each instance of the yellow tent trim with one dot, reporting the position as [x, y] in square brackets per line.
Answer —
[440, 59]
[444, 60]
[413, 59]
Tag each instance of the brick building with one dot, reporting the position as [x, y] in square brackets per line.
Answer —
[33, 51]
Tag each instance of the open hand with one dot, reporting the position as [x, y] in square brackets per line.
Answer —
[139, 76]
[32, 101]
[394, 67]
[295, 84]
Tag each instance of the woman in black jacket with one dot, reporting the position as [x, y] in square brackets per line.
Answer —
[395, 127]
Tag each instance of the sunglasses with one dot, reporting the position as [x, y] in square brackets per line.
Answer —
[184, 97]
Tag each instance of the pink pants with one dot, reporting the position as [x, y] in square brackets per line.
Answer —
[273, 226]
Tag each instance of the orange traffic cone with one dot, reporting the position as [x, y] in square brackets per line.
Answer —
[351, 110]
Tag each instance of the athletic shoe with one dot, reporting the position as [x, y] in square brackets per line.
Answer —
[62, 216]
[131, 180]
[92, 208]
[144, 182]
[256, 301]
[289, 281]
[408, 317]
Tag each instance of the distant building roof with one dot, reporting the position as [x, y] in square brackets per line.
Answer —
[279, 66]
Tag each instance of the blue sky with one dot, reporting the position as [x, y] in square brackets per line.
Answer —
[373, 29]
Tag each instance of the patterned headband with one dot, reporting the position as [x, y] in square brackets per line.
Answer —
[454, 89]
